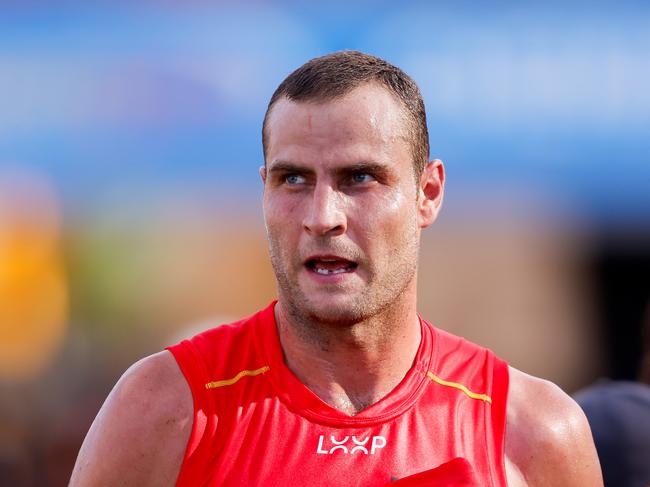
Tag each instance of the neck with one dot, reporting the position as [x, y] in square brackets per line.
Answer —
[351, 367]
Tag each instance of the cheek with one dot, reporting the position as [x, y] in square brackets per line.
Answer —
[387, 214]
[279, 209]
[281, 217]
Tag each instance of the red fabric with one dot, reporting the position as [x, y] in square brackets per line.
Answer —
[268, 429]
[455, 473]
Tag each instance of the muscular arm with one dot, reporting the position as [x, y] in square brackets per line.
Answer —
[140, 434]
[548, 440]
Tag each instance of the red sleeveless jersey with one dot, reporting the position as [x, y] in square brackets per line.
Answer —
[255, 423]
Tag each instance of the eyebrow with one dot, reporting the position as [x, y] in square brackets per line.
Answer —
[284, 167]
[369, 167]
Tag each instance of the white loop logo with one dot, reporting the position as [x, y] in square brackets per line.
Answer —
[358, 445]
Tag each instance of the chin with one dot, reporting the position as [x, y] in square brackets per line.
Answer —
[336, 316]
[330, 310]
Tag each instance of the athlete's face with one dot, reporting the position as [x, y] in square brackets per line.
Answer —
[343, 213]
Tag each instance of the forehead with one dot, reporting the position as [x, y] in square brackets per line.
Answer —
[367, 119]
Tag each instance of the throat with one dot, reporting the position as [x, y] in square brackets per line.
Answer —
[348, 403]
[349, 385]
[350, 368]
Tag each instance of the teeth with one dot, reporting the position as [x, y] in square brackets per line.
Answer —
[327, 272]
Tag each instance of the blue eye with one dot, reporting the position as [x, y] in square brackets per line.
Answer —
[292, 179]
[362, 177]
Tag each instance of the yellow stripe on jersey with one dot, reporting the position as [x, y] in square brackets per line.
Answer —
[461, 387]
[229, 382]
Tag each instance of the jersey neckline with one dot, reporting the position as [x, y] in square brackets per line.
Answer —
[301, 400]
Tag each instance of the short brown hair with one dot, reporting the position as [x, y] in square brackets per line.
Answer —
[334, 75]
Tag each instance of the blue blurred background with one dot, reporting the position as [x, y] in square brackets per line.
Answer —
[129, 192]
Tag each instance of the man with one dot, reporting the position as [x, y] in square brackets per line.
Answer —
[339, 382]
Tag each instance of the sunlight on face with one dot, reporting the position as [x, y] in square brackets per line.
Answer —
[340, 205]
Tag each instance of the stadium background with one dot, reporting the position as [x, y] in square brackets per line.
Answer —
[130, 200]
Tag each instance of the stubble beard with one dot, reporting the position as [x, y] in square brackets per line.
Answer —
[382, 294]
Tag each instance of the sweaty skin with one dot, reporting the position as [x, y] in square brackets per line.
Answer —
[343, 217]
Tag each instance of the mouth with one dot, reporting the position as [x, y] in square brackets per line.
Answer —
[330, 265]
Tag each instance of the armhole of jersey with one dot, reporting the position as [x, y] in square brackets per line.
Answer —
[192, 368]
[500, 382]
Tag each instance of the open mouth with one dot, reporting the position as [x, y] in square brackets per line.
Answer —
[326, 266]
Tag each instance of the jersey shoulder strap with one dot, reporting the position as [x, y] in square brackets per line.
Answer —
[210, 362]
[476, 371]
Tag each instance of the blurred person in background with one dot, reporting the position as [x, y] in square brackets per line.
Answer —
[339, 382]
[619, 414]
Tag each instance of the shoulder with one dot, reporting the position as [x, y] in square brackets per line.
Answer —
[548, 440]
[140, 434]
[154, 385]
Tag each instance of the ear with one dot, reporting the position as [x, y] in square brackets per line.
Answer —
[262, 171]
[430, 192]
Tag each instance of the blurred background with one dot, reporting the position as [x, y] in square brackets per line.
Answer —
[130, 199]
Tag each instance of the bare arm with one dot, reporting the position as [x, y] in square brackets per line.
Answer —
[548, 440]
[140, 434]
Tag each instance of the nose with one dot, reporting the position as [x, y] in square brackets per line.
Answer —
[325, 215]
